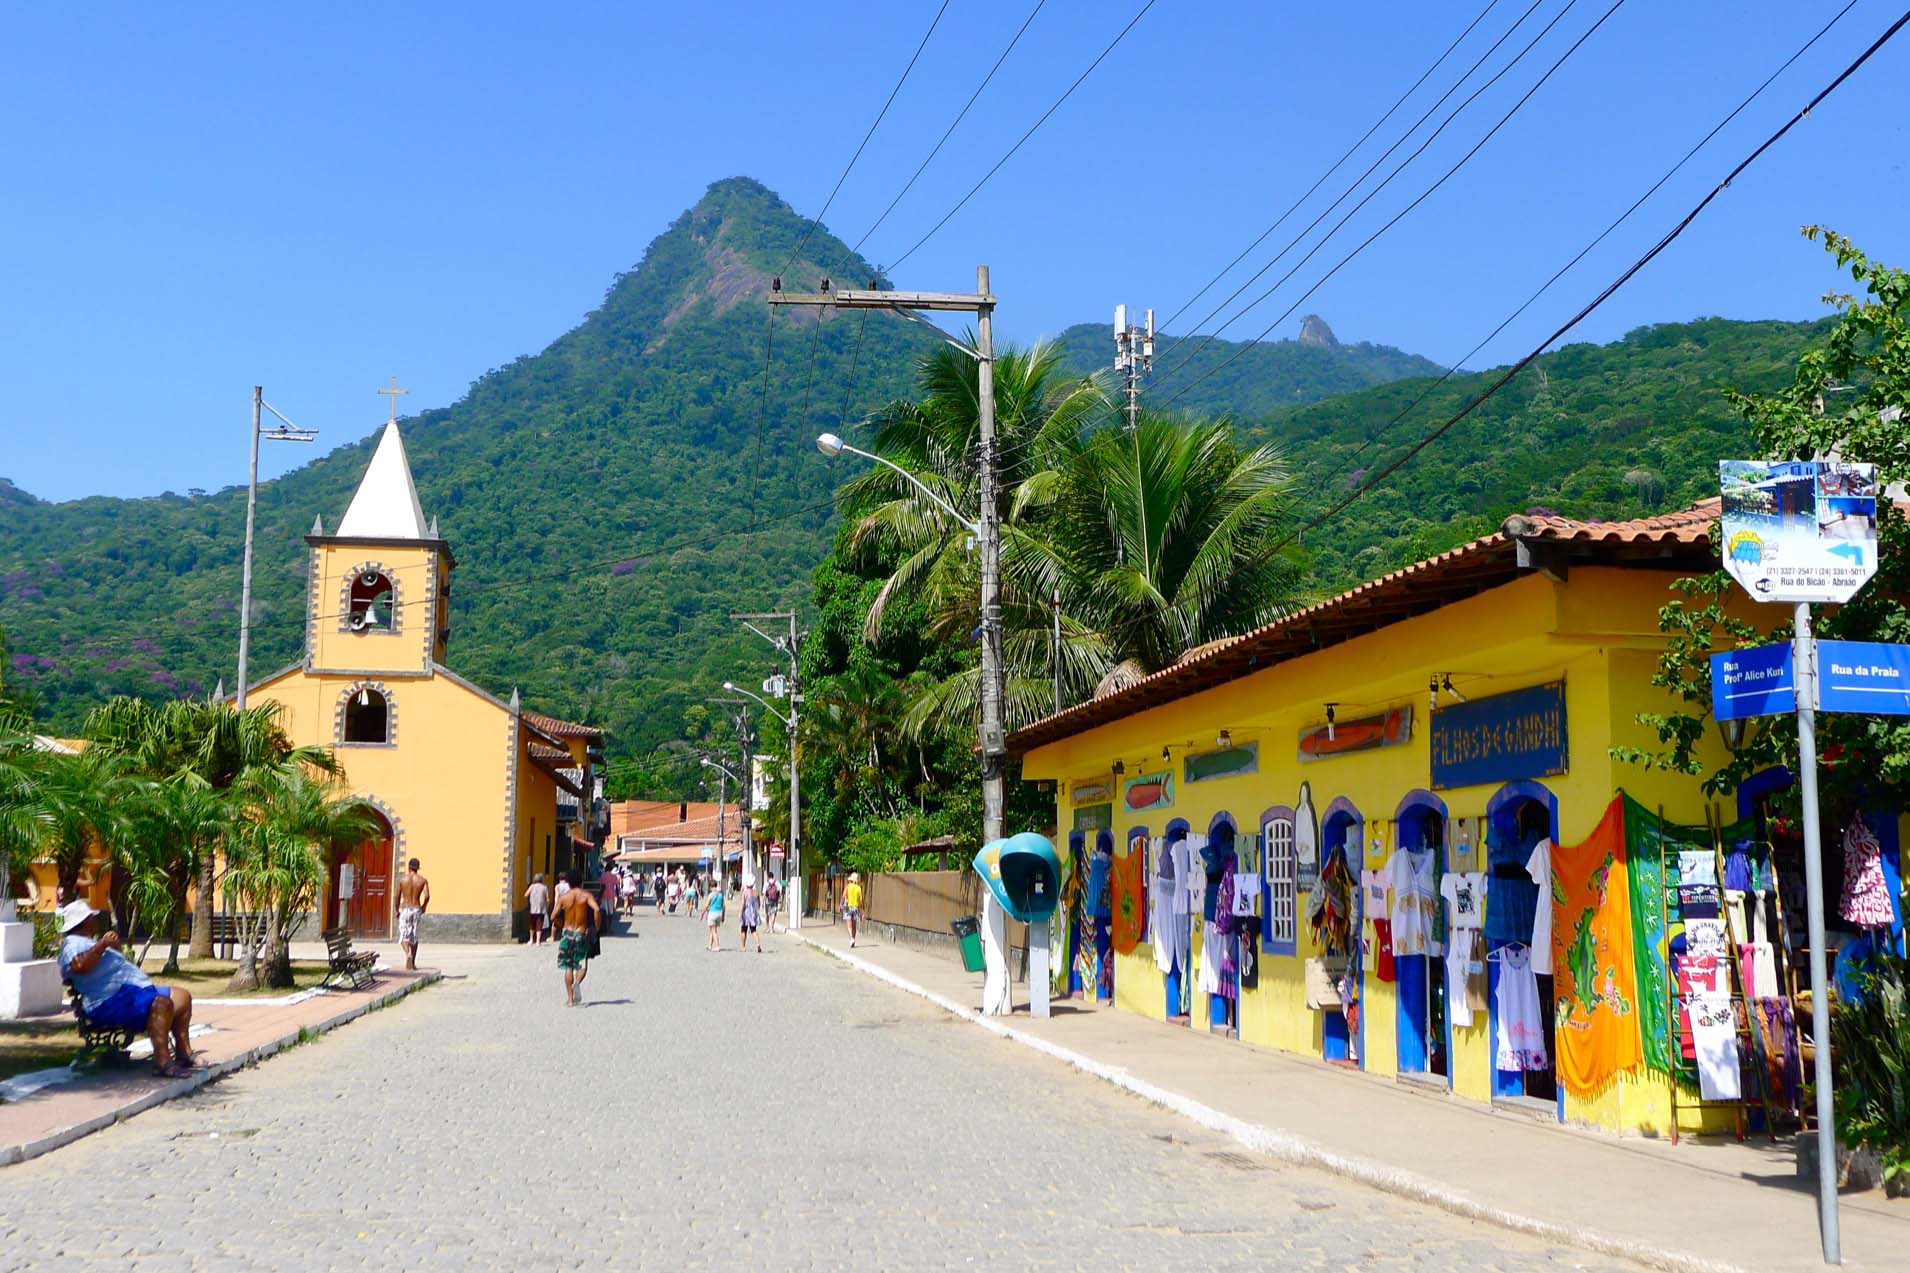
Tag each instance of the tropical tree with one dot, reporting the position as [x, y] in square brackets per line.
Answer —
[175, 824]
[295, 819]
[24, 818]
[82, 801]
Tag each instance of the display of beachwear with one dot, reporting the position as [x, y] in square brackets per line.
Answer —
[1224, 929]
[1465, 896]
[1714, 1037]
[1250, 957]
[1538, 864]
[1247, 891]
[1409, 878]
[1127, 886]
[1207, 974]
[1866, 899]
[1330, 905]
[1520, 1041]
[1163, 914]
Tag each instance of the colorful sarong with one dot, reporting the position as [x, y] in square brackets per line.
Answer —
[1593, 959]
[1127, 883]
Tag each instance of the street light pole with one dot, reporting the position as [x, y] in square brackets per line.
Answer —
[285, 432]
[996, 989]
[792, 863]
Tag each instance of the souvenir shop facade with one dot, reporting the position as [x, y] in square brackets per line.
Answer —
[1388, 831]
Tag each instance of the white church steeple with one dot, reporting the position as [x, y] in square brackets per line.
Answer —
[386, 505]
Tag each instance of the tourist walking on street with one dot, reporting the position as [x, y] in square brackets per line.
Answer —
[751, 916]
[575, 914]
[715, 920]
[414, 898]
[537, 898]
[689, 895]
[852, 905]
[772, 902]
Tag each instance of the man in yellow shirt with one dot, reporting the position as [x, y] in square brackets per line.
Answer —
[852, 904]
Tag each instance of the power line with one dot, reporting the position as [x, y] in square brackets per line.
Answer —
[817, 219]
[1371, 168]
[1622, 217]
[1402, 213]
[1604, 295]
[1348, 154]
[963, 201]
[953, 124]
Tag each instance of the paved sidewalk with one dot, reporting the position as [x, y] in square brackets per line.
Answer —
[1702, 1204]
[242, 1034]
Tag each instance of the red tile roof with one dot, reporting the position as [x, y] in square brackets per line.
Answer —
[562, 728]
[1537, 540]
[555, 755]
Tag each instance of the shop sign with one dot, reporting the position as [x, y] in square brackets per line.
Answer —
[1148, 791]
[1500, 738]
[1799, 530]
[1388, 729]
[1093, 792]
[1227, 762]
[1094, 817]
[1863, 676]
[1759, 681]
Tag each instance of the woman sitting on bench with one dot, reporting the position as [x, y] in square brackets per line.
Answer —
[117, 995]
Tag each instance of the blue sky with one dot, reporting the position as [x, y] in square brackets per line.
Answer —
[317, 198]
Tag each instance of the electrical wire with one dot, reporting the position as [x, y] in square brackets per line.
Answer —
[1397, 217]
[1338, 163]
[880, 115]
[953, 124]
[1022, 140]
[1374, 436]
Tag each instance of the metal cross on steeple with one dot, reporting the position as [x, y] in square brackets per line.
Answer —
[392, 393]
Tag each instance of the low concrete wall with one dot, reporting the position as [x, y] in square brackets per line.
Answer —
[915, 908]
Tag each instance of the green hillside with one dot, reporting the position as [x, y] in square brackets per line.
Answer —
[600, 494]
[1228, 377]
[1619, 430]
[597, 495]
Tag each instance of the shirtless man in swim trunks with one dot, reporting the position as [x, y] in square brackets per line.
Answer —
[572, 916]
[414, 898]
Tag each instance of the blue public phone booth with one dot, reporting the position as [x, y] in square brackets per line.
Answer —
[1023, 872]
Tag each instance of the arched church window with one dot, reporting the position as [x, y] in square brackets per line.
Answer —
[368, 717]
[371, 602]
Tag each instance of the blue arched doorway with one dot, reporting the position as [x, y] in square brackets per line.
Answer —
[1423, 1023]
[1342, 831]
[1518, 817]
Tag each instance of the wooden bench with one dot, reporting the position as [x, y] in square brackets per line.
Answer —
[229, 930]
[108, 1042]
[348, 964]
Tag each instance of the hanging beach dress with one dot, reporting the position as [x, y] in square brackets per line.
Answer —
[1128, 888]
[1866, 899]
[1521, 1041]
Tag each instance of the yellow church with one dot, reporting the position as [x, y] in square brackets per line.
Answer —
[483, 792]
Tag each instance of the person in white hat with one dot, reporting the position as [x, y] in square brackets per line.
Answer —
[115, 993]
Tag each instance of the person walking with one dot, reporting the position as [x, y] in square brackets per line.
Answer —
[574, 916]
[852, 905]
[715, 920]
[537, 898]
[414, 898]
[772, 902]
[750, 917]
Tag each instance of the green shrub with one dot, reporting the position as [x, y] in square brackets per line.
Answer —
[1871, 1044]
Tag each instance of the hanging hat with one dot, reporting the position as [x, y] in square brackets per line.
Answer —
[73, 914]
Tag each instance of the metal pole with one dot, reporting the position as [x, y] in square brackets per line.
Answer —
[245, 571]
[1057, 651]
[722, 796]
[996, 992]
[1804, 656]
[792, 861]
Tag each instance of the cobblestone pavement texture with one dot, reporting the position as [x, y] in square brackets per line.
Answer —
[728, 1111]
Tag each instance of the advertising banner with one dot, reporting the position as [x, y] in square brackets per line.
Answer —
[1799, 530]
[1497, 739]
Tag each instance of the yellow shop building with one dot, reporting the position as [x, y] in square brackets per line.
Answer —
[483, 792]
[1371, 770]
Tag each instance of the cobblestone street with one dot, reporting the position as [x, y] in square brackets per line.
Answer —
[704, 1111]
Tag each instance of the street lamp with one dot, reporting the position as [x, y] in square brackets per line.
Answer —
[831, 445]
[722, 800]
[284, 431]
[734, 688]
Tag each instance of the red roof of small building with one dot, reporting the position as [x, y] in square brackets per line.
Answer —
[562, 728]
[1530, 541]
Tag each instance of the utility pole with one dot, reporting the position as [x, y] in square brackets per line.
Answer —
[994, 740]
[792, 859]
[1057, 651]
[1133, 355]
[285, 431]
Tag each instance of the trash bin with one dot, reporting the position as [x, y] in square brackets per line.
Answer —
[968, 931]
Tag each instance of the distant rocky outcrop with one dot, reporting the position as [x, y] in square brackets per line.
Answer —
[1315, 332]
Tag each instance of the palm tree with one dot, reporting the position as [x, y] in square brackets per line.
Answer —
[296, 819]
[212, 740]
[24, 818]
[177, 824]
[82, 801]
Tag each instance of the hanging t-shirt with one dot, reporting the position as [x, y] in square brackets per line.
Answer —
[1465, 894]
[1409, 873]
[1521, 1041]
[1714, 1036]
[1539, 867]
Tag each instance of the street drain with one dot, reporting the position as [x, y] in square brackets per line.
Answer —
[1239, 1162]
[242, 1133]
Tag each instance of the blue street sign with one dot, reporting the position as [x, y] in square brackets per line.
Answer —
[1754, 682]
[1863, 676]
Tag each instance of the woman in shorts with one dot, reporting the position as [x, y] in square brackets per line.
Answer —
[715, 920]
